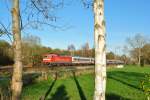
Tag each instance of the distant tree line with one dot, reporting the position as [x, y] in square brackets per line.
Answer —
[84, 51]
[33, 51]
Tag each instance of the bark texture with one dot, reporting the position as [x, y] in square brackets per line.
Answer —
[100, 50]
[17, 70]
[139, 56]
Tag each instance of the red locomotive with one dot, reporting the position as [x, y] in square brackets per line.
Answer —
[54, 59]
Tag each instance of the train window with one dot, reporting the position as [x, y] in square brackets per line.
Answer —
[84, 59]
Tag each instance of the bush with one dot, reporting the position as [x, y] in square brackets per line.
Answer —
[145, 86]
[5, 92]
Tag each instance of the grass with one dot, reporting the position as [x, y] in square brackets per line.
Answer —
[63, 89]
[4, 88]
[122, 84]
[125, 83]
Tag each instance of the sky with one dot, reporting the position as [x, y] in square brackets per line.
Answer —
[124, 18]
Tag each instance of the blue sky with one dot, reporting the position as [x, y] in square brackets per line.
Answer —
[124, 18]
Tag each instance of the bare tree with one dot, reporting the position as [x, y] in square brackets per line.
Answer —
[41, 12]
[31, 40]
[86, 46]
[136, 43]
[100, 50]
[31, 46]
[37, 12]
[71, 48]
[17, 70]
[85, 50]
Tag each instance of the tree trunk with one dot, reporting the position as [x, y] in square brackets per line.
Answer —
[17, 70]
[139, 57]
[100, 50]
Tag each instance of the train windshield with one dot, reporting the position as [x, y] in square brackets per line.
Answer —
[47, 56]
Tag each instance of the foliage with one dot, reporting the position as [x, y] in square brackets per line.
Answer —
[5, 93]
[110, 55]
[146, 53]
[145, 86]
[6, 54]
[30, 78]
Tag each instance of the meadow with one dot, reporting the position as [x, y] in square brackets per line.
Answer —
[122, 84]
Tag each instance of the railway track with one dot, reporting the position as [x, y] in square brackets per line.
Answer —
[46, 69]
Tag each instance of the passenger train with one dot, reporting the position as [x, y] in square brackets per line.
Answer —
[54, 59]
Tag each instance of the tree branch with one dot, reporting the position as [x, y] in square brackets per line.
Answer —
[5, 31]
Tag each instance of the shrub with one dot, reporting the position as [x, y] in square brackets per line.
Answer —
[145, 86]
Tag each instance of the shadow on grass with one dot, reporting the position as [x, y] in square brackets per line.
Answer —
[111, 96]
[29, 79]
[131, 79]
[60, 94]
[81, 93]
[50, 89]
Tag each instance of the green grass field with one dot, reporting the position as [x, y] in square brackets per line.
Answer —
[122, 84]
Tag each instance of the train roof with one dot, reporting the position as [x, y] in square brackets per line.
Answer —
[55, 55]
[50, 55]
[82, 57]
